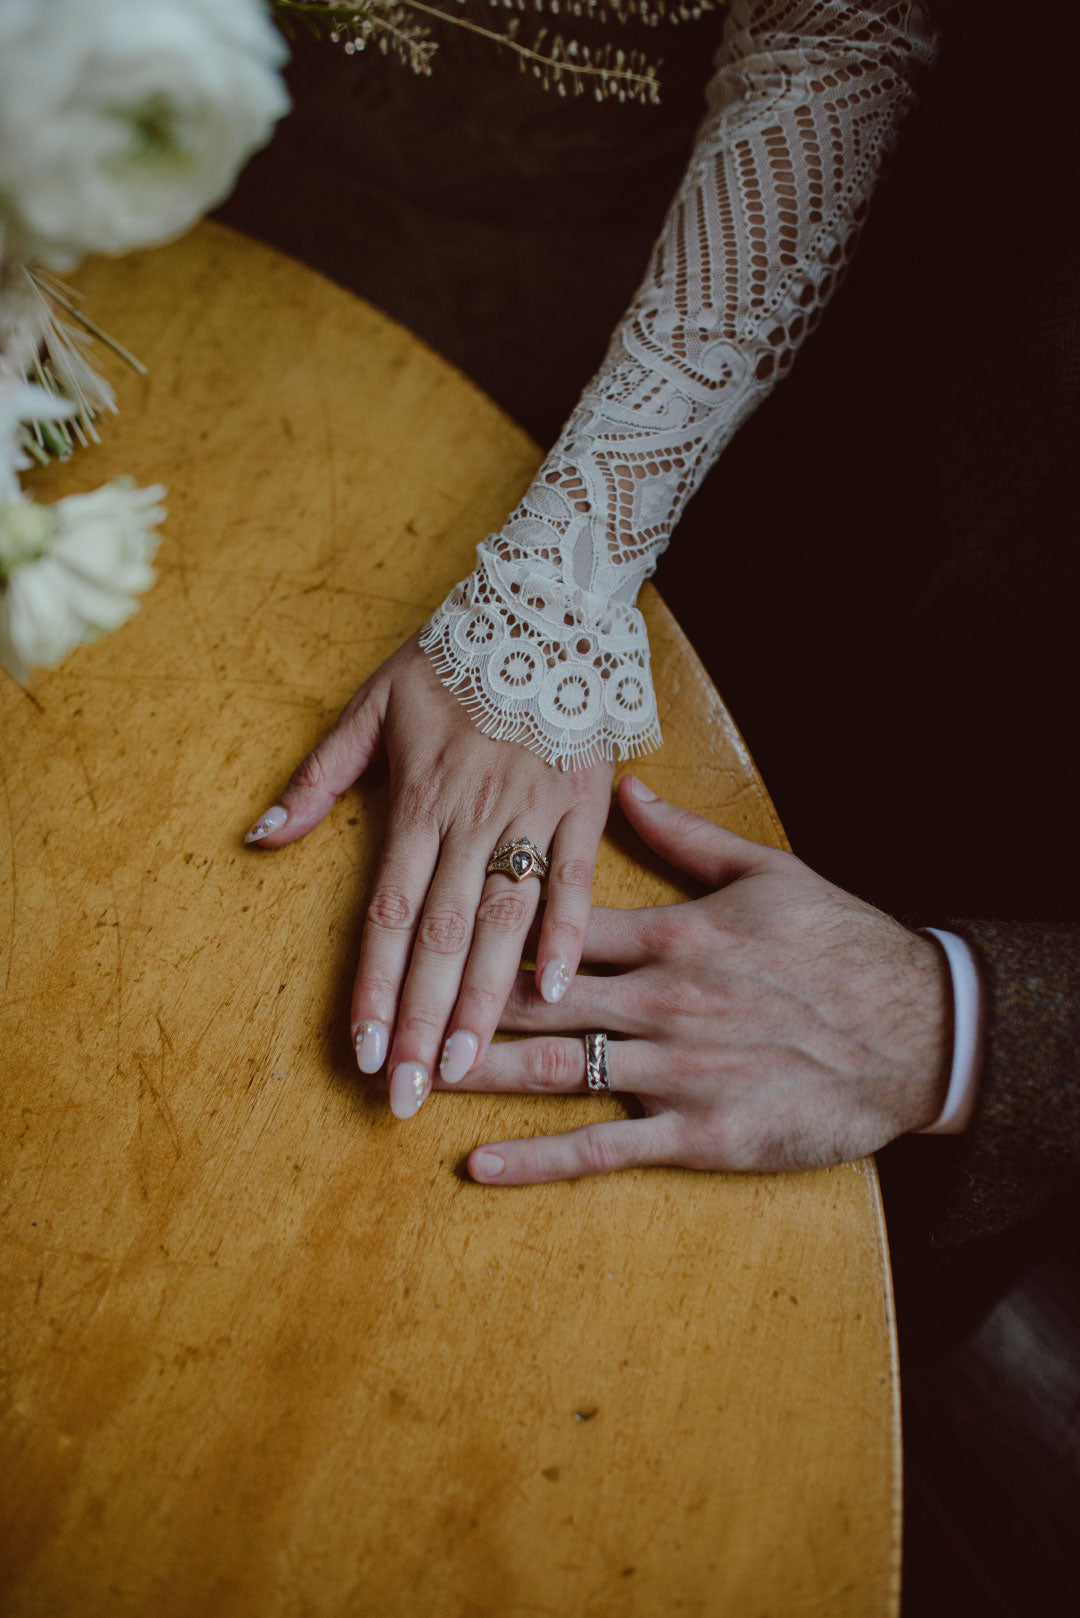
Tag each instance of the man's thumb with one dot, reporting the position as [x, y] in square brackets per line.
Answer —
[693, 845]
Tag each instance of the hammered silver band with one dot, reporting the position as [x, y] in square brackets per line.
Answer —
[518, 859]
[596, 1063]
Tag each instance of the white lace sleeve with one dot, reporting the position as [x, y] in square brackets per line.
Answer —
[543, 643]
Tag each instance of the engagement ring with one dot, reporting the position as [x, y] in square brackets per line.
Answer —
[519, 859]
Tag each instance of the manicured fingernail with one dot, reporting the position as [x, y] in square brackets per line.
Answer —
[458, 1056]
[641, 791]
[487, 1165]
[554, 981]
[372, 1039]
[409, 1085]
[273, 820]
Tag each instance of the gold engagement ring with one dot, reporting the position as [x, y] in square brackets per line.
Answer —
[519, 859]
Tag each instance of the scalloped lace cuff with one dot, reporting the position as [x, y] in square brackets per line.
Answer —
[535, 661]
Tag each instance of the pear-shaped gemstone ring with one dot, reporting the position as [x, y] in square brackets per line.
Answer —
[519, 859]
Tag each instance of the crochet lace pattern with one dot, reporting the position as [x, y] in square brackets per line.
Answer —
[542, 643]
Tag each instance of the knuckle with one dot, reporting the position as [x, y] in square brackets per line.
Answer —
[504, 913]
[571, 932]
[485, 1002]
[577, 874]
[581, 789]
[665, 1007]
[377, 988]
[390, 909]
[727, 1135]
[521, 995]
[424, 1025]
[665, 933]
[740, 1141]
[700, 1145]
[549, 1066]
[669, 1002]
[528, 796]
[689, 825]
[417, 798]
[708, 930]
[309, 775]
[485, 794]
[601, 1153]
[445, 932]
[356, 711]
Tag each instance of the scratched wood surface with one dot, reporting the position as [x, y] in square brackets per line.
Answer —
[266, 1352]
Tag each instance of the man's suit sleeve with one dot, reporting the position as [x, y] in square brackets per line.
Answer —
[1022, 1148]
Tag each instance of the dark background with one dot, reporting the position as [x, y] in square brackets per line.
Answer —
[880, 573]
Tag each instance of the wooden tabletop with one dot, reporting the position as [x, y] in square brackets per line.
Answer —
[268, 1354]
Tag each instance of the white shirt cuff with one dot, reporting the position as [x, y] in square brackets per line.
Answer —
[955, 1115]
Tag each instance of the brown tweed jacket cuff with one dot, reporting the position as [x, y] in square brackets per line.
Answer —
[1022, 1147]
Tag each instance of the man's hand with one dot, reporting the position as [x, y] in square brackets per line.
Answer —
[778, 1023]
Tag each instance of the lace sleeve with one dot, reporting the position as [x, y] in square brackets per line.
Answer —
[542, 643]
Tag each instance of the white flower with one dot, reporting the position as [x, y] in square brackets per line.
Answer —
[123, 121]
[70, 571]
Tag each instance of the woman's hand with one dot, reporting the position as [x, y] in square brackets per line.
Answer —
[778, 1023]
[442, 942]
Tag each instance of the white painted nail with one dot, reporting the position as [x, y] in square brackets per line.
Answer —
[273, 820]
[487, 1165]
[458, 1056]
[372, 1039]
[641, 791]
[554, 981]
[409, 1085]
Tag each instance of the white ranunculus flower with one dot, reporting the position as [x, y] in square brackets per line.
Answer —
[70, 571]
[123, 121]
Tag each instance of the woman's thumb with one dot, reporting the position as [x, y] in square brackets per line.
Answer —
[342, 756]
[687, 841]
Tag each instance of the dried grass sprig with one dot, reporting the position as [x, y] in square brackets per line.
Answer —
[54, 353]
[558, 63]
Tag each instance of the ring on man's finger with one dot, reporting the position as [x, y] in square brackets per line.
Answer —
[596, 1062]
[518, 859]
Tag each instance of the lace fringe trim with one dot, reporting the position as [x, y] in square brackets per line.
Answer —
[561, 750]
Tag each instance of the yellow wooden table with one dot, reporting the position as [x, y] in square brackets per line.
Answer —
[267, 1353]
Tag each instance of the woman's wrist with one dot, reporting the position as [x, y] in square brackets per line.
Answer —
[559, 669]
